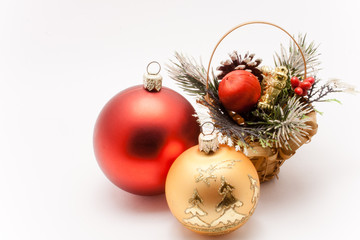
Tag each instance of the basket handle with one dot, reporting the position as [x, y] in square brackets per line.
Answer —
[248, 23]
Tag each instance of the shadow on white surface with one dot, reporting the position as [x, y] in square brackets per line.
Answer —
[124, 201]
[286, 190]
[247, 231]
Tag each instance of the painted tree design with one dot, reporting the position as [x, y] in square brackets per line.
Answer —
[228, 199]
[227, 205]
[196, 211]
[256, 192]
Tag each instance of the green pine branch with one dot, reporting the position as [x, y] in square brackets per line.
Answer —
[291, 57]
[283, 123]
[189, 76]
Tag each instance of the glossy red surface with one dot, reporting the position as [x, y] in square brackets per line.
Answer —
[139, 134]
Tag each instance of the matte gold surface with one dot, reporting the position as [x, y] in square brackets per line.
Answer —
[212, 193]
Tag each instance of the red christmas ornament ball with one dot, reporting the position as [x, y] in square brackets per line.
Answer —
[239, 91]
[139, 134]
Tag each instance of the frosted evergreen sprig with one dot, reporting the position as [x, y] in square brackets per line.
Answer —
[239, 134]
[285, 123]
[188, 74]
[291, 57]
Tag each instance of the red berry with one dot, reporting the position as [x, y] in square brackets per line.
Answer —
[299, 91]
[294, 82]
[311, 80]
[305, 85]
[305, 93]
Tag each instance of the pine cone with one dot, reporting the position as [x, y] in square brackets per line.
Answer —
[236, 62]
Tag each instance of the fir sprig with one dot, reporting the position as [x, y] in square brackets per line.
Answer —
[240, 134]
[291, 58]
[188, 74]
[284, 122]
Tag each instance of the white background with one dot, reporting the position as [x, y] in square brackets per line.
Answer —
[62, 60]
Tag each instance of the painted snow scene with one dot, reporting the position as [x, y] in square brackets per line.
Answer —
[223, 208]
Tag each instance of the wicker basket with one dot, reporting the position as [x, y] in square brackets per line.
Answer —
[268, 161]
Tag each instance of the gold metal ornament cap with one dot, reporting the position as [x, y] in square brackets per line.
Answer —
[208, 142]
[153, 81]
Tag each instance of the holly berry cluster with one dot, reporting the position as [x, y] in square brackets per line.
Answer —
[301, 87]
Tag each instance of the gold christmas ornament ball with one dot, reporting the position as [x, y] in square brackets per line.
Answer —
[212, 193]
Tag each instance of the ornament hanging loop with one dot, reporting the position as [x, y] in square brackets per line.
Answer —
[153, 81]
[153, 62]
[244, 24]
[208, 142]
[202, 128]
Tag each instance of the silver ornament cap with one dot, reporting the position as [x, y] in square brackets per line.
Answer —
[153, 80]
[209, 142]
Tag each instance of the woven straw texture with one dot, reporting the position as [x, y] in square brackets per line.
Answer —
[267, 161]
